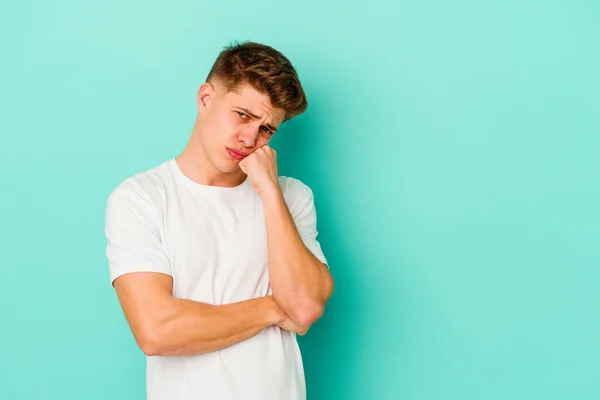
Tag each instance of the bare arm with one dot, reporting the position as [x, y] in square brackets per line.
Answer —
[301, 283]
[167, 326]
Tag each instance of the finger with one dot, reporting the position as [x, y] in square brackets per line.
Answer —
[242, 165]
[268, 149]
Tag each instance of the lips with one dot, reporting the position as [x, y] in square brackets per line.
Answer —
[236, 154]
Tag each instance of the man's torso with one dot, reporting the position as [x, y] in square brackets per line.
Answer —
[215, 241]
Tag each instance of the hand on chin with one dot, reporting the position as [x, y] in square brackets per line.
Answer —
[261, 168]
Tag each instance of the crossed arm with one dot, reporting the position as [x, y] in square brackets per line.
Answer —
[301, 284]
[168, 326]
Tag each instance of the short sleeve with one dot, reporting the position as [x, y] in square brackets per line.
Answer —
[305, 218]
[134, 240]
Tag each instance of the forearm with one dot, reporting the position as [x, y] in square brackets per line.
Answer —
[299, 281]
[187, 327]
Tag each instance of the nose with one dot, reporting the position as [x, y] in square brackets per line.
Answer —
[248, 137]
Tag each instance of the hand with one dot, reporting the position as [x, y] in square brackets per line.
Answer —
[261, 168]
[291, 326]
[281, 319]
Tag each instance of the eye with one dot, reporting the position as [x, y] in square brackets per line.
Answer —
[266, 130]
[242, 115]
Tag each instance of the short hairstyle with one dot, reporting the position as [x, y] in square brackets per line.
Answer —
[266, 70]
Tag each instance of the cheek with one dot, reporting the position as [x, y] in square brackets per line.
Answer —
[262, 140]
[225, 129]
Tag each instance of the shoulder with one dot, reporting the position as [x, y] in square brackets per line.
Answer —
[296, 193]
[143, 189]
[293, 188]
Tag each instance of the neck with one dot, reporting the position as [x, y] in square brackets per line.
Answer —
[196, 165]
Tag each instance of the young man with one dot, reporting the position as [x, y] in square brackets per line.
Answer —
[214, 258]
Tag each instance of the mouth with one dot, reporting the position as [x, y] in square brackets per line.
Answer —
[236, 154]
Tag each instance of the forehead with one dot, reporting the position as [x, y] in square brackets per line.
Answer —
[244, 95]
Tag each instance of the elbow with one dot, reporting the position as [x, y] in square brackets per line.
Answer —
[304, 308]
[308, 313]
[311, 310]
[148, 348]
[328, 286]
[149, 342]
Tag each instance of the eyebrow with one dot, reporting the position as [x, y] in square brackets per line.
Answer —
[250, 113]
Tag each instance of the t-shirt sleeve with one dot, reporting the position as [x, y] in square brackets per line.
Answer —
[305, 218]
[134, 240]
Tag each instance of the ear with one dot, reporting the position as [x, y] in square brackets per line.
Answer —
[205, 95]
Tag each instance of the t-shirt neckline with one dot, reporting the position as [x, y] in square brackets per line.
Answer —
[185, 180]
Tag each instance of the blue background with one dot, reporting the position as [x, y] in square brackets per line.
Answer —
[452, 148]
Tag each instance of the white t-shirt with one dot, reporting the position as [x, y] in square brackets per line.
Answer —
[212, 241]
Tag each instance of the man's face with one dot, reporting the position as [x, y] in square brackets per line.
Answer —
[234, 124]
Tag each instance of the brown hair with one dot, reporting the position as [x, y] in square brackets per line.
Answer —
[266, 70]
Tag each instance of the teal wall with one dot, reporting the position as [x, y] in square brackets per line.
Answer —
[453, 148]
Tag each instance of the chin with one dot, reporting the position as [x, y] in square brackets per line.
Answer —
[228, 167]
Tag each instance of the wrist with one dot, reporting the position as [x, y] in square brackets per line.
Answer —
[275, 315]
